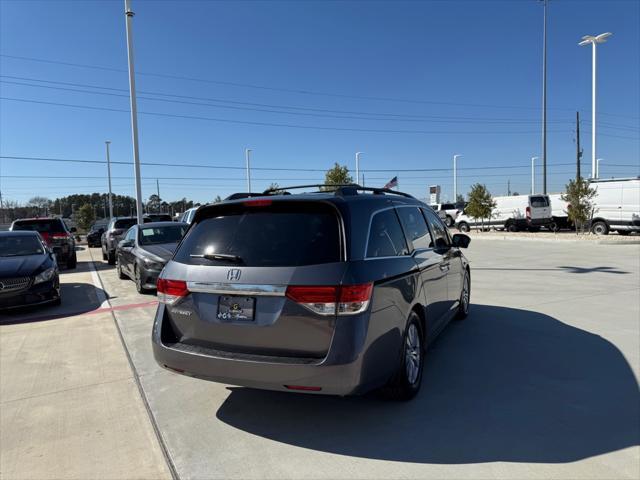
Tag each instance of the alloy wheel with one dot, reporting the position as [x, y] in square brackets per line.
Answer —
[413, 352]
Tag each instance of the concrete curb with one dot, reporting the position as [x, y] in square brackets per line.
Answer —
[586, 241]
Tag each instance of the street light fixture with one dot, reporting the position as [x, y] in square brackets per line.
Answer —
[593, 41]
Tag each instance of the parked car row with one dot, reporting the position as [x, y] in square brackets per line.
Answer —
[616, 208]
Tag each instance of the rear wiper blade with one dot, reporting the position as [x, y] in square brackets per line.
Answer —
[218, 256]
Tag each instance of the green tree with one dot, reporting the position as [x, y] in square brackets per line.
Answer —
[579, 195]
[153, 205]
[481, 203]
[338, 175]
[85, 216]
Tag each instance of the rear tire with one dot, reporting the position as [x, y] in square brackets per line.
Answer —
[73, 261]
[104, 256]
[512, 227]
[111, 258]
[599, 228]
[405, 383]
[464, 227]
[465, 297]
[449, 221]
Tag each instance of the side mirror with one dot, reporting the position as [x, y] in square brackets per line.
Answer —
[125, 244]
[73, 229]
[460, 240]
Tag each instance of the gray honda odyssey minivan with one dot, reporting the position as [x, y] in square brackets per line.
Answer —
[330, 292]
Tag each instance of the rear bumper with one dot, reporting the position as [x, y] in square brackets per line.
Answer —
[339, 373]
[42, 293]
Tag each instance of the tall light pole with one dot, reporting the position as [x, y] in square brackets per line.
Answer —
[455, 178]
[593, 40]
[134, 109]
[247, 154]
[544, 99]
[109, 175]
[358, 167]
[533, 174]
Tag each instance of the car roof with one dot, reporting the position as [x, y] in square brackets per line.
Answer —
[164, 224]
[33, 219]
[19, 233]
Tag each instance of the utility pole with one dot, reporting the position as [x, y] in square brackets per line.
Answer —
[358, 166]
[134, 109]
[247, 154]
[578, 150]
[158, 191]
[544, 99]
[109, 175]
[533, 175]
[455, 178]
[509, 187]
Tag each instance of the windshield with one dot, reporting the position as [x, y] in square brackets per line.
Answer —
[166, 234]
[13, 246]
[42, 226]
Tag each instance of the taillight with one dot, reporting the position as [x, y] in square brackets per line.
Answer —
[117, 231]
[332, 300]
[528, 213]
[170, 291]
[60, 236]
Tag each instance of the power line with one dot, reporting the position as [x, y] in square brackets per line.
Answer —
[288, 90]
[282, 125]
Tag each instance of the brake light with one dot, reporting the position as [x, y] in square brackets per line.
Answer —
[528, 213]
[60, 236]
[171, 291]
[257, 203]
[303, 387]
[117, 231]
[332, 300]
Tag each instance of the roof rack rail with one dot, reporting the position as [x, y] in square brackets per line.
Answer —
[339, 189]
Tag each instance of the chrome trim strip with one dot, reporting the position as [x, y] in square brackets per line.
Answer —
[237, 288]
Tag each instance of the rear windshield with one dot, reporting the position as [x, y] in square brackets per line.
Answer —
[539, 201]
[448, 206]
[15, 246]
[160, 217]
[42, 226]
[125, 223]
[157, 235]
[275, 236]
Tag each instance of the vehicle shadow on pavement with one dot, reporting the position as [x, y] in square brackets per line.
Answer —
[77, 299]
[85, 266]
[567, 269]
[504, 385]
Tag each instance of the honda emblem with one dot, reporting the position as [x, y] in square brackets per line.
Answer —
[234, 274]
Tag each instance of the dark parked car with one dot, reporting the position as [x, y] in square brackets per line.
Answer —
[159, 217]
[327, 292]
[58, 237]
[28, 270]
[95, 234]
[113, 234]
[144, 251]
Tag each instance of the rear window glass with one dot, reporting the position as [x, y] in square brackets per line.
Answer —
[125, 223]
[386, 238]
[42, 226]
[539, 201]
[415, 227]
[448, 206]
[275, 236]
[157, 235]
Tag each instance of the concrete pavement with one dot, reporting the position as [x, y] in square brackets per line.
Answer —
[541, 381]
[70, 406]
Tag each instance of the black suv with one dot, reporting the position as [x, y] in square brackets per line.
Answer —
[333, 292]
[114, 233]
[56, 234]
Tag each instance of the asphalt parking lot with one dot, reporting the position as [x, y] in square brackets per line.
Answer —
[540, 381]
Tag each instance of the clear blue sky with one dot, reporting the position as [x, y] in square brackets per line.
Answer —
[465, 74]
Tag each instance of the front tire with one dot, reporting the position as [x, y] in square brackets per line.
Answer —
[600, 228]
[111, 258]
[405, 383]
[73, 261]
[138, 279]
[464, 227]
[121, 274]
[512, 227]
[449, 221]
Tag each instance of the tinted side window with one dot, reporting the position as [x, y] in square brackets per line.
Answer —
[448, 206]
[386, 238]
[438, 231]
[131, 234]
[125, 223]
[415, 227]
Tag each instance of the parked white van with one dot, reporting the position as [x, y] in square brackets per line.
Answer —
[513, 213]
[559, 213]
[617, 206]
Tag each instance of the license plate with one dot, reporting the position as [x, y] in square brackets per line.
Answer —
[236, 308]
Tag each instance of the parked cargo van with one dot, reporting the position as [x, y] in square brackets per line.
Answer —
[559, 213]
[513, 213]
[617, 206]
